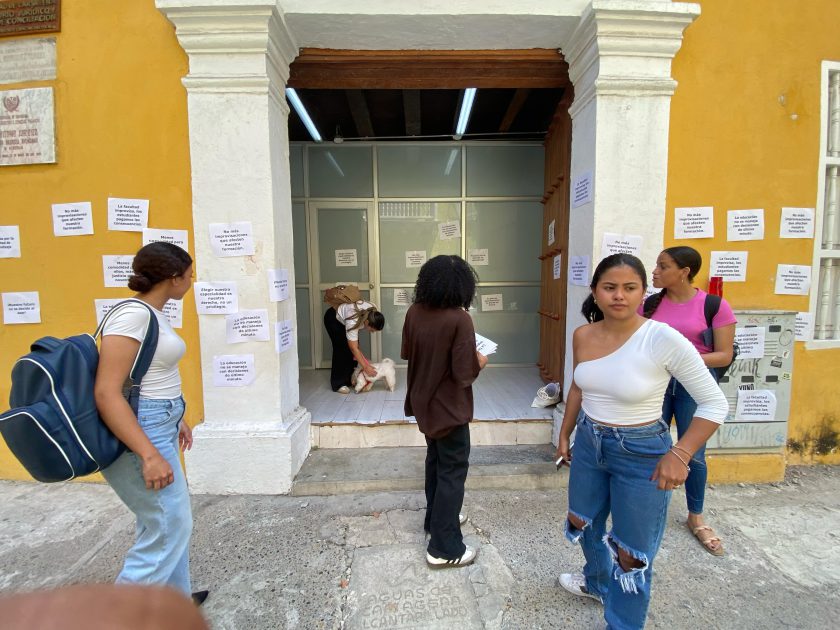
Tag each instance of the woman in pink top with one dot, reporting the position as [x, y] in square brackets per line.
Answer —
[681, 305]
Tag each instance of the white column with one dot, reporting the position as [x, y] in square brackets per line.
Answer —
[255, 438]
[620, 65]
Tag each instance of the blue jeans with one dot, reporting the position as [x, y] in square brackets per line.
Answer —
[610, 474]
[160, 554]
[678, 404]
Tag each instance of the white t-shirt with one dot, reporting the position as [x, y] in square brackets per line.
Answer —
[627, 386]
[163, 380]
[346, 314]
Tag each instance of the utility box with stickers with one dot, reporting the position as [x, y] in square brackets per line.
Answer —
[758, 384]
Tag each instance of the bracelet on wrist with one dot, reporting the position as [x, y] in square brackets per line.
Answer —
[677, 455]
[680, 448]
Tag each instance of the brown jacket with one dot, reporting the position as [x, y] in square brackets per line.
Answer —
[439, 344]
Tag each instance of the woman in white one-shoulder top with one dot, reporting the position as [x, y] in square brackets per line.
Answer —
[624, 463]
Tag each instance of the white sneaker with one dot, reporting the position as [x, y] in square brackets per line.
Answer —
[547, 395]
[462, 518]
[343, 390]
[442, 563]
[576, 583]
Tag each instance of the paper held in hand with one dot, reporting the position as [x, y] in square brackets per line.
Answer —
[484, 345]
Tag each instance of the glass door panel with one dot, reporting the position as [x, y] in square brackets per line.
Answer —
[409, 234]
[342, 234]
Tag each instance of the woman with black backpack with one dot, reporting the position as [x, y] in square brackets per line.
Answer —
[148, 477]
[683, 307]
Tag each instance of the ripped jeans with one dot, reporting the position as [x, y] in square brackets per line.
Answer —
[610, 474]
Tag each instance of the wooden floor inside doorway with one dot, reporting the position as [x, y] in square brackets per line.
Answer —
[500, 393]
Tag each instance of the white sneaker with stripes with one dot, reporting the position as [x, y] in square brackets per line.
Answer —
[442, 563]
[576, 583]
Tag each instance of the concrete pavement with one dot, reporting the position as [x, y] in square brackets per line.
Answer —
[357, 560]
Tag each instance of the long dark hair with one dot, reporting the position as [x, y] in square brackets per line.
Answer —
[683, 256]
[155, 263]
[445, 282]
[590, 310]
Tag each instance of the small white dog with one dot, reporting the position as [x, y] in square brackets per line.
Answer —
[384, 369]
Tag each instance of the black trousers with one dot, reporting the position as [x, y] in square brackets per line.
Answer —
[447, 462]
[343, 362]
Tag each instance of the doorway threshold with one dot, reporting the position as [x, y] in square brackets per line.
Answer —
[502, 410]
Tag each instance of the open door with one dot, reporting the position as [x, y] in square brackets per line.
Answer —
[555, 242]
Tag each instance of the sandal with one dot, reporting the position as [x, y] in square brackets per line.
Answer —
[707, 542]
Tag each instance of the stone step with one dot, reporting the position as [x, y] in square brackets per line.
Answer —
[402, 433]
[345, 471]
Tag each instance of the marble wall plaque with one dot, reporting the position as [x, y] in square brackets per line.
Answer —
[27, 60]
[27, 126]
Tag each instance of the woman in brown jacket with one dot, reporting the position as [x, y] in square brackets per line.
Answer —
[438, 341]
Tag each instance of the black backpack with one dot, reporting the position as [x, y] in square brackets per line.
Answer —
[711, 306]
[53, 427]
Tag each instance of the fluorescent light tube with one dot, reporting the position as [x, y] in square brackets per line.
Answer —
[466, 109]
[294, 99]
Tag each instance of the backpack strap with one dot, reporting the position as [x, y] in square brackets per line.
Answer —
[711, 306]
[144, 355]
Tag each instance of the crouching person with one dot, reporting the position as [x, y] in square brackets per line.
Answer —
[623, 462]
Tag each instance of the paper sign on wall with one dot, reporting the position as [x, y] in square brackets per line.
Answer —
[104, 306]
[620, 244]
[579, 271]
[415, 258]
[402, 297]
[551, 235]
[745, 225]
[556, 264]
[492, 302]
[155, 235]
[174, 311]
[247, 326]
[233, 370]
[793, 279]
[22, 308]
[696, 222]
[72, 219]
[9, 241]
[731, 266]
[346, 258]
[803, 326]
[797, 223]
[278, 284]
[216, 298]
[479, 257]
[581, 189]
[756, 405]
[128, 215]
[232, 239]
[750, 342]
[283, 337]
[449, 229]
[117, 270]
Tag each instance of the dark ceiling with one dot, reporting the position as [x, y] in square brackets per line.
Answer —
[425, 114]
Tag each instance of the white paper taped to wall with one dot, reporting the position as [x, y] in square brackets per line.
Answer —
[22, 308]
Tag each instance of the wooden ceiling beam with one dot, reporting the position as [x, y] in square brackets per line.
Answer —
[411, 107]
[415, 69]
[516, 103]
[360, 112]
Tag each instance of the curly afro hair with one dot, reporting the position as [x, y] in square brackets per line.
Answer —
[445, 282]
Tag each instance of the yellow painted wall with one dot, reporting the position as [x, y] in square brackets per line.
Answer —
[745, 125]
[121, 125]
